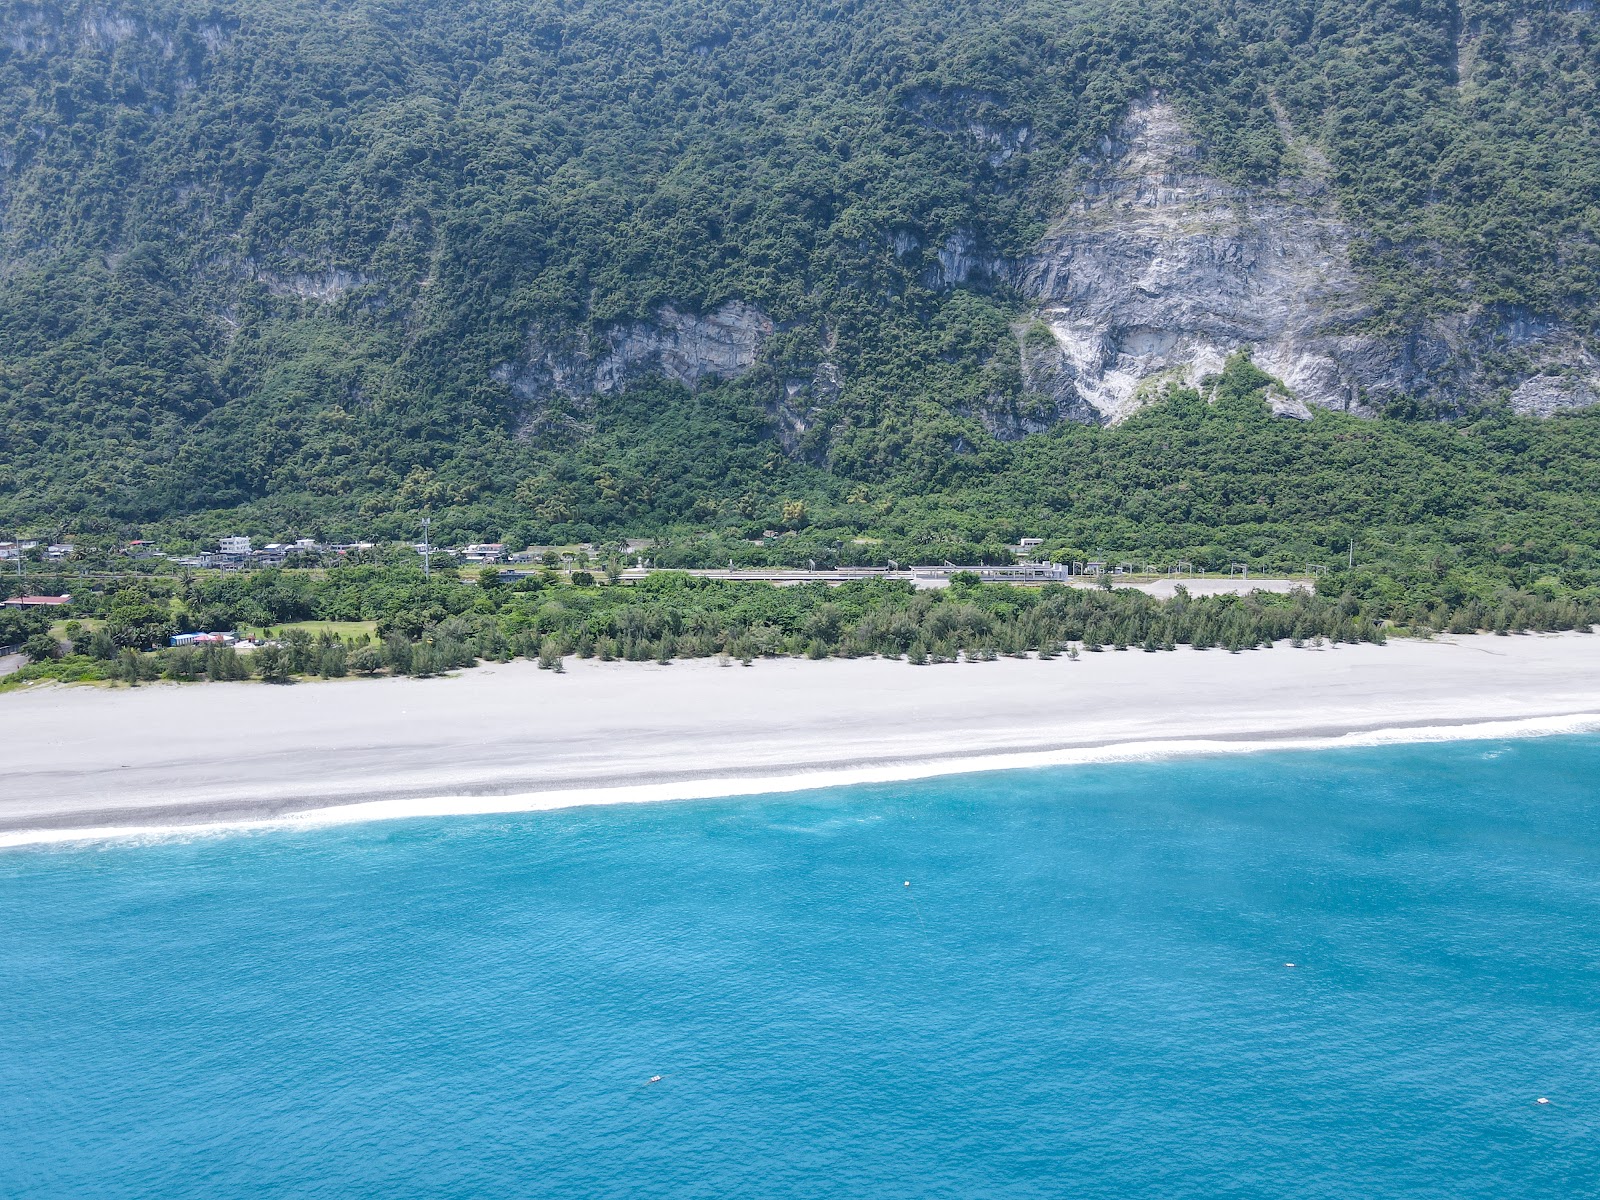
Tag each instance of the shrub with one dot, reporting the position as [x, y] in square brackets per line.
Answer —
[181, 663]
[41, 647]
[297, 646]
[366, 660]
[426, 661]
[131, 667]
[550, 656]
[222, 663]
[271, 665]
[397, 654]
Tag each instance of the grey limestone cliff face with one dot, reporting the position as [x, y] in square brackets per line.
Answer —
[560, 364]
[801, 403]
[1158, 271]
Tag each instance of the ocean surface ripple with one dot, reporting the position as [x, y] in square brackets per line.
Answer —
[1085, 990]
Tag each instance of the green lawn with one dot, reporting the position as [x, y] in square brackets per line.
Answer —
[343, 629]
[58, 629]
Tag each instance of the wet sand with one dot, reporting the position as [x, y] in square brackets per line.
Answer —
[84, 758]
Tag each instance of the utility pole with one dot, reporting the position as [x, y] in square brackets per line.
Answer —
[1352, 554]
[427, 547]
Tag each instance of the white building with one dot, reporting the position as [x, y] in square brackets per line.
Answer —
[1028, 572]
[234, 545]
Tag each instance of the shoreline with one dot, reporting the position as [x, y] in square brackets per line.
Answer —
[503, 738]
[715, 787]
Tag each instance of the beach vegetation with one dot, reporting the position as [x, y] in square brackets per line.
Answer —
[271, 664]
[433, 625]
[366, 660]
[550, 655]
[133, 668]
[41, 647]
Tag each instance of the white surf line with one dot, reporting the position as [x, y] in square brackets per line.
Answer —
[805, 781]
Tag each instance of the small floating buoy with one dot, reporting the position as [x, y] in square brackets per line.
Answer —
[1541, 1100]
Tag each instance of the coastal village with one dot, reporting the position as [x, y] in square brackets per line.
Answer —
[134, 611]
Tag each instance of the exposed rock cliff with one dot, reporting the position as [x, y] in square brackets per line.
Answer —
[800, 405]
[690, 348]
[1158, 271]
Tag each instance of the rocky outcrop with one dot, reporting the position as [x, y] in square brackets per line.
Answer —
[963, 260]
[1158, 271]
[1155, 274]
[1545, 395]
[320, 287]
[689, 348]
[801, 405]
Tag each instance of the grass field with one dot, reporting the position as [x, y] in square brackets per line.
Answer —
[344, 629]
[58, 629]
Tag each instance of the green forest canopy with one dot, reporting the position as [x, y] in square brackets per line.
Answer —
[259, 260]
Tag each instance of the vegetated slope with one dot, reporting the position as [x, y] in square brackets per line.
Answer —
[547, 269]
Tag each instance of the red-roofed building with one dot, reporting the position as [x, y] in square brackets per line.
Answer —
[38, 601]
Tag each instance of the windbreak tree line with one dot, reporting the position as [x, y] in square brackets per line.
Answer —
[427, 626]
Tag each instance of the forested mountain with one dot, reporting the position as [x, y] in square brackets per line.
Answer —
[565, 268]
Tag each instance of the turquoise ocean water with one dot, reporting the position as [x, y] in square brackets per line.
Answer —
[1082, 993]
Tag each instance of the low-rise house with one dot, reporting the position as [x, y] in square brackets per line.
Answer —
[59, 551]
[204, 639]
[484, 552]
[39, 601]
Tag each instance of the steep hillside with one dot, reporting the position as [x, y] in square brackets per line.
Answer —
[1159, 270]
[555, 268]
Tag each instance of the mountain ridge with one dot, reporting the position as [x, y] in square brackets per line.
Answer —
[287, 255]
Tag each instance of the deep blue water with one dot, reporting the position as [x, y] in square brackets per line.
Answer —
[1082, 993]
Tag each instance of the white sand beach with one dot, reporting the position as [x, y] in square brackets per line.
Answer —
[505, 737]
